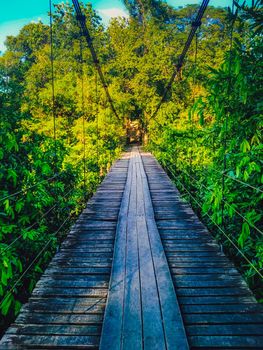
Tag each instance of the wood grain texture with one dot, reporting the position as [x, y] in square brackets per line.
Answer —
[67, 306]
[218, 309]
[147, 315]
[138, 271]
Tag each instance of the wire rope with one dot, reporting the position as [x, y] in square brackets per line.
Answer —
[195, 25]
[34, 224]
[83, 115]
[221, 230]
[52, 76]
[82, 21]
[33, 262]
[226, 202]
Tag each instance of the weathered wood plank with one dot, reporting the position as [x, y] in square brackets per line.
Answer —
[14, 342]
[239, 329]
[211, 301]
[111, 330]
[234, 341]
[132, 337]
[172, 320]
[64, 330]
[154, 337]
[148, 289]
[58, 318]
[218, 309]
[67, 305]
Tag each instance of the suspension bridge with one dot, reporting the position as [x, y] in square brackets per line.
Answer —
[138, 269]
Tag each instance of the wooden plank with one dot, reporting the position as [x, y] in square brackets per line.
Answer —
[161, 325]
[31, 329]
[193, 292]
[229, 329]
[153, 332]
[112, 328]
[216, 303]
[172, 320]
[235, 341]
[215, 299]
[58, 318]
[69, 292]
[132, 337]
[232, 308]
[13, 342]
[67, 305]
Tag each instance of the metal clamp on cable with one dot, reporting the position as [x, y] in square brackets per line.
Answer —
[179, 65]
[81, 18]
[196, 24]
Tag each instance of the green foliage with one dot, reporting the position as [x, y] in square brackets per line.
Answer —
[215, 151]
[211, 116]
[42, 185]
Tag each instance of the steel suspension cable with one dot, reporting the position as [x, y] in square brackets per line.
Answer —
[34, 224]
[30, 187]
[82, 21]
[33, 262]
[221, 230]
[242, 182]
[237, 180]
[195, 25]
[225, 202]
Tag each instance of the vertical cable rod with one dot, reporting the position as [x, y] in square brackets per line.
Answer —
[52, 75]
[97, 116]
[83, 115]
[82, 22]
[194, 97]
[226, 117]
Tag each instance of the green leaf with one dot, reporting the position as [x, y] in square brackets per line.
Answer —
[46, 170]
[245, 232]
[4, 277]
[19, 265]
[11, 174]
[17, 307]
[245, 146]
[19, 205]
[5, 305]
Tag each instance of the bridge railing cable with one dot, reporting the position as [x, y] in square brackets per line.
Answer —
[30, 187]
[230, 239]
[222, 173]
[35, 223]
[38, 256]
[82, 21]
[195, 25]
[224, 200]
[11, 289]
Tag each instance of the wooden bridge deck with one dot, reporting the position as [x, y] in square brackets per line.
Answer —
[168, 286]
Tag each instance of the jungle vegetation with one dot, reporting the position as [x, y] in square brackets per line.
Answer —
[207, 133]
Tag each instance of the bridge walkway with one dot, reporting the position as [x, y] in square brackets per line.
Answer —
[138, 270]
